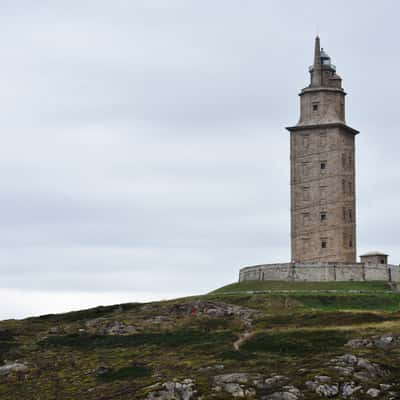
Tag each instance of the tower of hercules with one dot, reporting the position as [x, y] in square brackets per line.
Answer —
[322, 152]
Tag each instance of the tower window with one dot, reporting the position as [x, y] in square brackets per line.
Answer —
[324, 243]
[323, 193]
[315, 107]
[350, 215]
[323, 165]
[306, 244]
[306, 168]
[306, 193]
[306, 140]
[323, 216]
[322, 139]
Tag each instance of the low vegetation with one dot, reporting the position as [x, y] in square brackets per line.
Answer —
[141, 351]
[255, 286]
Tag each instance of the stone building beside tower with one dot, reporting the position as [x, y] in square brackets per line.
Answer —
[323, 191]
[322, 147]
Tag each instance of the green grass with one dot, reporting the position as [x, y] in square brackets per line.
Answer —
[130, 372]
[298, 343]
[376, 302]
[90, 313]
[317, 319]
[176, 338]
[301, 286]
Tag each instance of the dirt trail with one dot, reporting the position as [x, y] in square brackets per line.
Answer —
[242, 339]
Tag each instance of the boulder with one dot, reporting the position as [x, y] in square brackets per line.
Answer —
[348, 389]
[275, 380]
[373, 392]
[174, 391]
[237, 377]
[234, 389]
[359, 343]
[9, 368]
[281, 396]
[327, 390]
[119, 328]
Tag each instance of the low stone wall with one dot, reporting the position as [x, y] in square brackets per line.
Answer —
[319, 272]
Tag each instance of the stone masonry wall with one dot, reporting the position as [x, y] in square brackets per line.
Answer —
[320, 272]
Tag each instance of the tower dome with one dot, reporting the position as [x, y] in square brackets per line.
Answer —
[326, 60]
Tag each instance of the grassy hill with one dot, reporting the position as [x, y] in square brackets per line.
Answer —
[255, 286]
[259, 340]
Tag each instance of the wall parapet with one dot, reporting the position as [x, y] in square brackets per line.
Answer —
[320, 272]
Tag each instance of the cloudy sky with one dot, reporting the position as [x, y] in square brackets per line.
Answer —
[144, 154]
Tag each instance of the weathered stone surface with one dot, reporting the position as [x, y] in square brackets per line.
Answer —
[12, 367]
[274, 380]
[311, 385]
[360, 368]
[174, 391]
[195, 308]
[234, 389]
[159, 319]
[211, 367]
[327, 390]
[102, 326]
[359, 343]
[385, 342]
[238, 377]
[373, 392]
[102, 370]
[119, 328]
[248, 383]
[348, 389]
[281, 396]
[322, 378]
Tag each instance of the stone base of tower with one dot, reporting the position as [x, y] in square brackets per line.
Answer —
[321, 272]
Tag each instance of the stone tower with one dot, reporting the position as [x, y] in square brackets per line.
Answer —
[322, 152]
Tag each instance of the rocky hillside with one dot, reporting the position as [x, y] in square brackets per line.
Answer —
[253, 340]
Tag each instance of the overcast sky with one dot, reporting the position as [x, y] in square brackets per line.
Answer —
[144, 154]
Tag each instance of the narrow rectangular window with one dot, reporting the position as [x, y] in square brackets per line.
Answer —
[323, 193]
[306, 193]
[350, 215]
[323, 216]
[323, 164]
[306, 140]
[315, 107]
[306, 168]
[306, 244]
[343, 186]
[324, 243]
[322, 139]
[345, 240]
